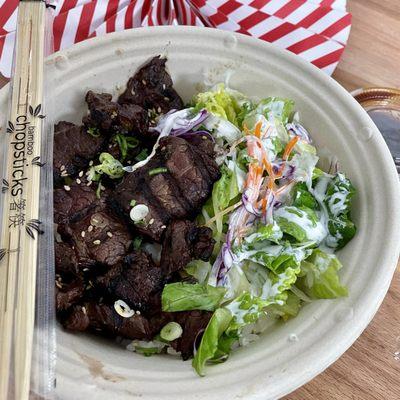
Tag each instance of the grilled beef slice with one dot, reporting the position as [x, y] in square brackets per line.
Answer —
[73, 204]
[112, 118]
[151, 88]
[73, 149]
[97, 238]
[184, 241]
[104, 318]
[137, 281]
[177, 193]
[65, 259]
[69, 294]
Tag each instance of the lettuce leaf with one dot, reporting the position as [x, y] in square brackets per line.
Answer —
[209, 346]
[319, 276]
[276, 107]
[181, 296]
[288, 310]
[337, 201]
[302, 223]
[303, 198]
[219, 102]
[199, 269]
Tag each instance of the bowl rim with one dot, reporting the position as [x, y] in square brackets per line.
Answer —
[389, 257]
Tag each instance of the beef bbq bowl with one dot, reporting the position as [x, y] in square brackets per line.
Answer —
[216, 200]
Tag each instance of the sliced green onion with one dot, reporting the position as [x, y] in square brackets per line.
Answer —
[159, 170]
[133, 203]
[142, 155]
[171, 331]
[137, 242]
[125, 143]
[93, 132]
[98, 190]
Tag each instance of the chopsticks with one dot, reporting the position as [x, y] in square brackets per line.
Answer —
[20, 217]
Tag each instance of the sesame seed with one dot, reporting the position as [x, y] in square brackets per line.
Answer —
[204, 137]
[163, 86]
[102, 187]
[84, 310]
[138, 312]
[62, 168]
[78, 181]
[80, 174]
[163, 148]
[67, 188]
[83, 233]
[90, 163]
[163, 227]
[64, 174]
[144, 82]
[90, 228]
[133, 92]
[89, 183]
[166, 98]
[85, 269]
[96, 242]
[159, 109]
[151, 221]
[109, 234]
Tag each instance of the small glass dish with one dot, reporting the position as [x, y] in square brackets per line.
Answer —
[383, 106]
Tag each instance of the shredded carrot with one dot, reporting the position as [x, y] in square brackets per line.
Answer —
[264, 205]
[289, 147]
[257, 129]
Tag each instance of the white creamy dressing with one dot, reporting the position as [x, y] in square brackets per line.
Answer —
[315, 231]
[304, 164]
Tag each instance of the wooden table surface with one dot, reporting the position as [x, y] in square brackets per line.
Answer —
[368, 370]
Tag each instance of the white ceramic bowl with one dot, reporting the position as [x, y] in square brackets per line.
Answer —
[274, 365]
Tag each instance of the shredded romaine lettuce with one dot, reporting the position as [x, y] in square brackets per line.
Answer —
[319, 276]
[181, 296]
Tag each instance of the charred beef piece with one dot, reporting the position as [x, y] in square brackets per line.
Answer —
[184, 241]
[77, 319]
[73, 204]
[151, 88]
[69, 294]
[177, 193]
[65, 259]
[73, 149]
[193, 324]
[137, 281]
[112, 118]
[103, 318]
[97, 238]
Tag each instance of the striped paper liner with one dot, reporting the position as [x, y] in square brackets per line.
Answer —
[316, 30]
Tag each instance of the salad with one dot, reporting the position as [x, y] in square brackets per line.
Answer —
[187, 230]
[276, 218]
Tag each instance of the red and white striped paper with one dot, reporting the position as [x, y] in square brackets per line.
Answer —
[316, 30]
